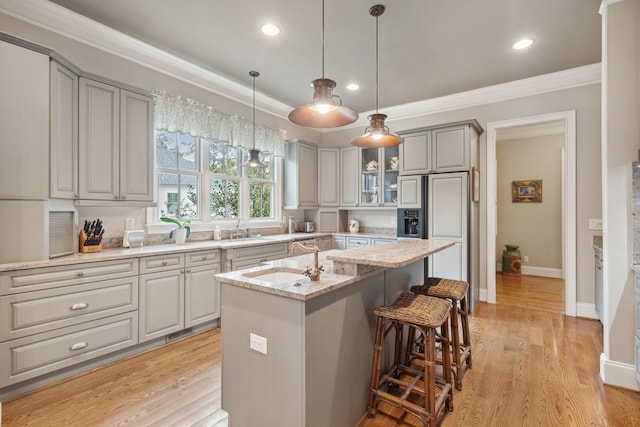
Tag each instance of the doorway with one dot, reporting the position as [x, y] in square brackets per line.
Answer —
[567, 121]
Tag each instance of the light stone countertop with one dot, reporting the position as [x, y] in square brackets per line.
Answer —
[189, 246]
[341, 268]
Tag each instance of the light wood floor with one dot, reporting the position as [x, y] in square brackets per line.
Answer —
[532, 367]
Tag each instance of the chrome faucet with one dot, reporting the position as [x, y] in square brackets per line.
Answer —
[314, 274]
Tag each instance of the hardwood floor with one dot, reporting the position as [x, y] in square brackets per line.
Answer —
[532, 366]
[177, 385]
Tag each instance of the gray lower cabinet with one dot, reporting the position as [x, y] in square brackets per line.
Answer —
[178, 291]
[252, 256]
[56, 317]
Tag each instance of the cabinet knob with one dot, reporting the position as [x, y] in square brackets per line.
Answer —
[164, 263]
[80, 274]
[188, 270]
[204, 258]
[79, 306]
[123, 197]
[79, 346]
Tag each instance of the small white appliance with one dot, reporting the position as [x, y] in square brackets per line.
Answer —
[133, 238]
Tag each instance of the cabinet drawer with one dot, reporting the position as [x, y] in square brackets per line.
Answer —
[382, 241]
[157, 263]
[252, 262]
[35, 279]
[358, 241]
[41, 311]
[202, 258]
[262, 251]
[29, 357]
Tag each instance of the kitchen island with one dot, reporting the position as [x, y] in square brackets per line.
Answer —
[298, 353]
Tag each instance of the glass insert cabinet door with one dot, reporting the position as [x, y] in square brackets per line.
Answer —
[390, 176]
[378, 176]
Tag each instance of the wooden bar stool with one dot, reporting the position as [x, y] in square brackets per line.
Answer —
[413, 387]
[454, 291]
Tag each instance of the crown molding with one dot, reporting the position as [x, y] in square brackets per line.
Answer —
[561, 80]
[59, 20]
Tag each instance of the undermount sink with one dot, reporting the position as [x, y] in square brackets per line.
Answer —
[278, 275]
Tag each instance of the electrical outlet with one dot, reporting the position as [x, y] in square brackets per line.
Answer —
[258, 343]
[130, 223]
[526, 258]
[595, 224]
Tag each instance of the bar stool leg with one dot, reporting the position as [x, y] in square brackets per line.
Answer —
[466, 338]
[455, 338]
[375, 366]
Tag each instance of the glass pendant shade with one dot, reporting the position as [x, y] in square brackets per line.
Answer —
[254, 160]
[324, 112]
[254, 154]
[377, 135]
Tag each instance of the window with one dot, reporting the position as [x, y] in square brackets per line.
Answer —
[187, 164]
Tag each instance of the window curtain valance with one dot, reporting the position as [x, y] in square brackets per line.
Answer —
[176, 113]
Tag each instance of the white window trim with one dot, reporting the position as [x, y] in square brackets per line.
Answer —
[155, 226]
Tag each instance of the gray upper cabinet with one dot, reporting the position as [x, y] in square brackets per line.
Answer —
[329, 176]
[24, 123]
[64, 132]
[115, 143]
[415, 154]
[446, 148]
[300, 175]
[450, 149]
[349, 176]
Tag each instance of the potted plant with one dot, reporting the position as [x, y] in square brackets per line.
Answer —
[182, 232]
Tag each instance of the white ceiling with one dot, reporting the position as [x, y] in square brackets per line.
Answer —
[427, 48]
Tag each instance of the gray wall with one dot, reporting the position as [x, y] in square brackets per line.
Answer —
[535, 227]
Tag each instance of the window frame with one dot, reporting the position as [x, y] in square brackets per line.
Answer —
[205, 222]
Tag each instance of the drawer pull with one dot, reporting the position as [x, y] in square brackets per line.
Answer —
[79, 346]
[164, 263]
[204, 258]
[79, 306]
[80, 274]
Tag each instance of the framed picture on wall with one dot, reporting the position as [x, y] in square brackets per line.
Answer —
[526, 191]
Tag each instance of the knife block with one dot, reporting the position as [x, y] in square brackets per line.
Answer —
[84, 248]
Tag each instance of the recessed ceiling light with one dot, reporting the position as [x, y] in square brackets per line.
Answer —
[353, 86]
[270, 30]
[522, 44]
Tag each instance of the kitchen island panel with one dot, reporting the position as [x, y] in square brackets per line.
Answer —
[318, 364]
[262, 389]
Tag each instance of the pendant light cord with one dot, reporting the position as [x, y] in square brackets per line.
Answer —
[254, 112]
[377, 64]
[323, 39]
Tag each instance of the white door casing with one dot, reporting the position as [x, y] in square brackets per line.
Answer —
[568, 202]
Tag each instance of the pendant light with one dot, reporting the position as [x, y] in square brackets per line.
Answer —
[324, 112]
[377, 134]
[254, 154]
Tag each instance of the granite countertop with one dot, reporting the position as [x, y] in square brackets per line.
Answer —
[391, 255]
[189, 246]
[597, 242]
[341, 268]
[307, 288]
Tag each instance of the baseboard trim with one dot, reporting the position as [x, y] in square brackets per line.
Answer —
[587, 310]
[483, 295]
[555, 273]
[618, 374]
